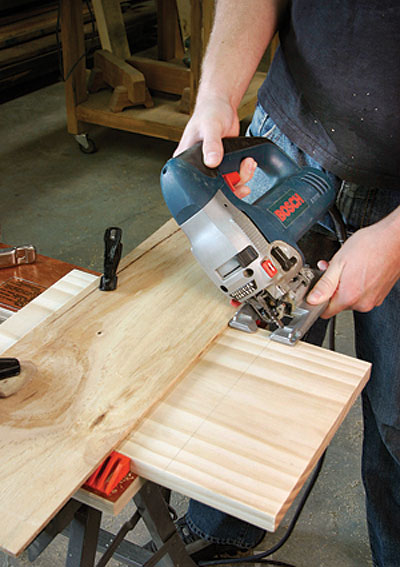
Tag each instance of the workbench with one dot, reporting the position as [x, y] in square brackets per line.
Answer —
[117, 94]
[234, 420]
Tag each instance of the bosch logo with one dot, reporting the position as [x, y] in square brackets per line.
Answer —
[289, 207]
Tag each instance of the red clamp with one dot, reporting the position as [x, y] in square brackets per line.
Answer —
[109, 474]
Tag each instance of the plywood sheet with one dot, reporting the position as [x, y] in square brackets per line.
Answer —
[245, 427]
[103, 361]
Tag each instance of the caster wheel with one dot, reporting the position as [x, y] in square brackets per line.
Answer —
[86, 144]
[90, 148]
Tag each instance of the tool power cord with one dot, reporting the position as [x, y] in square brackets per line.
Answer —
[261, 557]
[341, 235]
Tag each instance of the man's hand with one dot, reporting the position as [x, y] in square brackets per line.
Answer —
[212, 120]
[363, 271]
[240, 35]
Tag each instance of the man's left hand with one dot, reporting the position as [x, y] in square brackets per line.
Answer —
[363, 271]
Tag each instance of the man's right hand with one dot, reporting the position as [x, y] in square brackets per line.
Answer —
[213, 119]
[240, 35]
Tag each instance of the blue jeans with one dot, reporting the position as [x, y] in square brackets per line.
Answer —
[377, 335]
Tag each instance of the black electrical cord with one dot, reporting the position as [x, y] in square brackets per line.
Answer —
[259, 557]
[338, 223]
[58, 42]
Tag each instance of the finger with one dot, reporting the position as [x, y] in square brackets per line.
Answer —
[246, 172]
[335, 306]
[242, 191]
[213, 152]
[323, 265]
[326, 285]
[247, 169]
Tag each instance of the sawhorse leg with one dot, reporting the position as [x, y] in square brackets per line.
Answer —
[156, 516]
[82, 525]
[84, 533]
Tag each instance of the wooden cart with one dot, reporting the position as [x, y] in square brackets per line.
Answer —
[117, 94]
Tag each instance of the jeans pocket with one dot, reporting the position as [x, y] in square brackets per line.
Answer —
[362, 206]
[262, 125]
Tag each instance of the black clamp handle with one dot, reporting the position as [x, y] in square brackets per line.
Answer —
[112, 256]
[9, 367]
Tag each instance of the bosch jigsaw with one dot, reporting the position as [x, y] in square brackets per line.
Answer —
[250, 251]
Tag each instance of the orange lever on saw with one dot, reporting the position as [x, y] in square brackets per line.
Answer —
[111, 471]
[232, 179]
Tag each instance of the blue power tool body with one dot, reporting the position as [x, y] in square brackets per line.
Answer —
[250, 251]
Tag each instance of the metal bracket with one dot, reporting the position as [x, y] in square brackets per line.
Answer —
[302, 319]
[245, 319]
[25, 254]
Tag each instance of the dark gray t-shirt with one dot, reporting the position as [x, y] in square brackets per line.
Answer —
[334, 86]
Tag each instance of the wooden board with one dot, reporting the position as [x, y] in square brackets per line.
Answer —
[162, 76]
[61, 293]
[245, 427]
[102, 363]
[65, 283]
[117, 500]
[170, 447]
[111, 26]
[241, 431]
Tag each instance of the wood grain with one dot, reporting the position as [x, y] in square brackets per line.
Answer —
[162, 76]
[241, 431]
[111, 27]
[102, 363]
[74, 66]
[245, 427]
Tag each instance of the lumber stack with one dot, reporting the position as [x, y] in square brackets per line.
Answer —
[30, 47]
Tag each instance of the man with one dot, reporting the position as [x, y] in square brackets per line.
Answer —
[331, 100]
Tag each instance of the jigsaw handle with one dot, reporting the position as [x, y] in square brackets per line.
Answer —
[269, 157]
[296, 194]
[275, 163]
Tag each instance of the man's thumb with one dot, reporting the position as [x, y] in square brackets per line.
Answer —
[325, 287]
[213, 152]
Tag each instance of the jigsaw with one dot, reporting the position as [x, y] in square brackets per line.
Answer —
[250, 251]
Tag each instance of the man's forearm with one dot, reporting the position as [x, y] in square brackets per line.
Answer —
[393, 221]
[241, 33]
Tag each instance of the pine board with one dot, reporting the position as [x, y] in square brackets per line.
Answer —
[169, 445]
[244, 428]
[103, 360]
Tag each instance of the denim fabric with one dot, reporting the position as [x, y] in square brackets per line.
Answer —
[218, 527]
[377, 336]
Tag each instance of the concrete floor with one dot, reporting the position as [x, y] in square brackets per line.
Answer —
[61, 200]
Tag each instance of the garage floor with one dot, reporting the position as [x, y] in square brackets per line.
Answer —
[61, 200]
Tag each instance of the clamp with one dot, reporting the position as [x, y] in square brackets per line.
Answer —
[112, 256]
